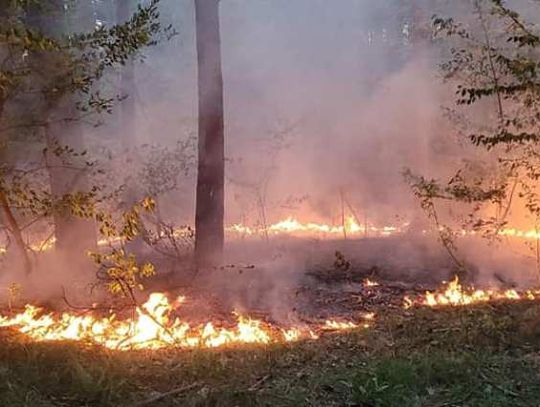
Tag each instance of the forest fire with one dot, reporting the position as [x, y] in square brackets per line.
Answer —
[454, 294]
[293, 227]
[153, 327]
[351, 227]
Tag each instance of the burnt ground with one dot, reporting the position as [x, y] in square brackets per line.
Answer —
[290, 281]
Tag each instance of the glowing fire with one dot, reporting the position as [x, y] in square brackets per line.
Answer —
[351, 227]
[454, 294]
[153, 327]
[333, 325]
[370, 283]
[291, 226]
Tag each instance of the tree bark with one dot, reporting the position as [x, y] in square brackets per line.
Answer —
[127, 122]
[14, 229]
[127, 86]
[10, 222]
[74, 235]
[209, 217]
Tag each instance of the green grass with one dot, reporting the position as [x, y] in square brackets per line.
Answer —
[482, 356]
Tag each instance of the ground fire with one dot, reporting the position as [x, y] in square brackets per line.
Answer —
[269, 203]
[454, 294]
[155, 327]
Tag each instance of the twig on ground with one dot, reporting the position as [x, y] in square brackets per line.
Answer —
[500, 388]
[260, 382]
[161, 396]
[92, 308]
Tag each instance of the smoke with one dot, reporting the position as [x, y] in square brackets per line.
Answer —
[323, 100]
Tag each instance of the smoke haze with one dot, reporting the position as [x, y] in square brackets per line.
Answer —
[322, 99]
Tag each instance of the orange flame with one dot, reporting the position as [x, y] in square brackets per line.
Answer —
[370, 283]
[293, 227]
[454, 294]
[154, 328]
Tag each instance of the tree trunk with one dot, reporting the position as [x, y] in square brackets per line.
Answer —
[9, 220]
[127, 86]
[74, 235]
[127, 123]
[209, 217]
[13, 227]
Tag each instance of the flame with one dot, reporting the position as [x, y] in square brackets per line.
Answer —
[292, 226]
[370, 283]
[352, 227]
[153, 327]
[454, 294]
[333, 325]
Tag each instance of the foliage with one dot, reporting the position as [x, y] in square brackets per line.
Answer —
[50, 78]
[494, 64]
[119, 268]
[158, 171]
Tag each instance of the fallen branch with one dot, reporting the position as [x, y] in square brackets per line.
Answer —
[92, 308]
[259, 382]
[500, 388]
[161, 396]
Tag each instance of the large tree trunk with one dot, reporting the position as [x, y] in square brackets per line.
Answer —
[209, 215]
[68, 174]
[74, 235]
[7, 215]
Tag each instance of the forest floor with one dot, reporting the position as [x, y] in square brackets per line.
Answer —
[486, 355]
[482, 355]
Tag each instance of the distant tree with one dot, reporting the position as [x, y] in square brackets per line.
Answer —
[209, 217]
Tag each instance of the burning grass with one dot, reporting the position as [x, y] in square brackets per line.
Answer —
[454, 294]
[154, 327]
[482, 354]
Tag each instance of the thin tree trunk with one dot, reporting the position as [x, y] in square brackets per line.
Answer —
[9, 218]
[14, 229]
[209, 215]
[127, 123]
[127, 85]
[343, 223]
[74, 235]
